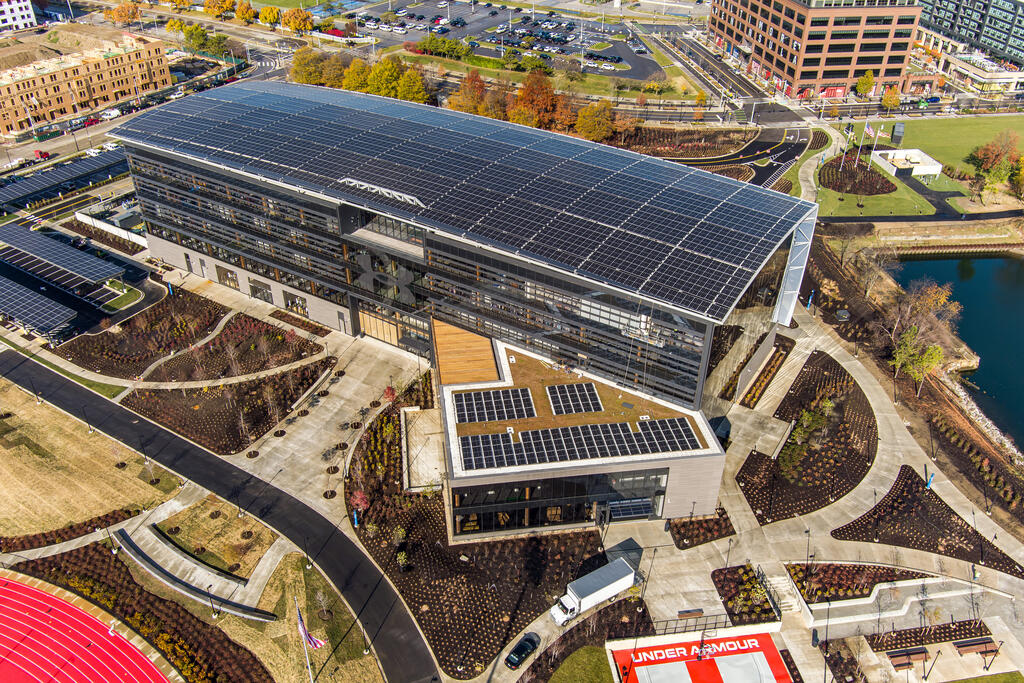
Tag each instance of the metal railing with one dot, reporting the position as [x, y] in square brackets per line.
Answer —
[710, 622]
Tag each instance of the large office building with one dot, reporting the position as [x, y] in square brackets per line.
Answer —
[995, 26]
[821, 47]
[16, 15]
[394, 220]
[76, 80]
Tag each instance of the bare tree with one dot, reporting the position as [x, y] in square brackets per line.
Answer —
[232, 353]
[873, 264]
[272, 408]
[845, 236]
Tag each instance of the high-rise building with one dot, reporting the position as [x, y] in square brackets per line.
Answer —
[821, 47]
[16, 15]
[409, 224]
[995, 26]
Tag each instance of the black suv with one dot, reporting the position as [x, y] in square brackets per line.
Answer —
[522, 651]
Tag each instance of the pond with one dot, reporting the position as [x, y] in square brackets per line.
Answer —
[992, 293]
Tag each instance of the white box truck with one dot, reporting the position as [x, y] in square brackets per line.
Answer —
[593, 589]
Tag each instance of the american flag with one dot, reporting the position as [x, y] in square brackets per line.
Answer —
[314, 643]
[869, 131]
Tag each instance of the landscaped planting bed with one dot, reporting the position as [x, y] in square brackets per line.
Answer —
[13, 544]
[199, 651]
[171, 325]
[819, 139]
[794, 673]
[829, 450]
[301, 323]
[722, 340]
[911, 516]
[826, 581]
[782, 348]
[687, 533]
[928, 635]
[783, 185]
[227, 418]
[102, 237]
[841, 662]
[245, 345]
[616, 621]
[692, 143]
[469, 599]
[992, 476]
[854, 176]
[745, 599]
[734, 171]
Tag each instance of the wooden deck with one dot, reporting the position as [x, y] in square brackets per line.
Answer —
[463, 357]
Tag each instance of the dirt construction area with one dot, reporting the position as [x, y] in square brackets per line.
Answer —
[54, 473]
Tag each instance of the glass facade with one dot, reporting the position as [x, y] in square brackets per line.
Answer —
[557, 501]
[330, 251]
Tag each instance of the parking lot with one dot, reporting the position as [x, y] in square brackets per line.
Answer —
[492, 28]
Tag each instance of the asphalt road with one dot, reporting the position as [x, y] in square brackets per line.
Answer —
[718, 69]
[401, 650]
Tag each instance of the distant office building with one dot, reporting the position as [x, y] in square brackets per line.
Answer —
[107, 68]
[16, 15]
[822, 46]
[967, 66]
[996, 26]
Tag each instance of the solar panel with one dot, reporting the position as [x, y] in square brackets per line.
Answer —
[574, 398]
[493, 406]
[32, 309]
[16, 192]
[86, 266]
[646, 207]
[577, 442]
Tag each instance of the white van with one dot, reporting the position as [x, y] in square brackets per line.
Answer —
[110, 114]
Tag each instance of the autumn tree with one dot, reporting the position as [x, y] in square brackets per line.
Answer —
[594, 122]
[383, 77]
[244, 12]
[298, 20]
[865, 83]
[218, 8]
[307, 66]
[1002, 147]
[701, 100]
[180, 5]
[270, 16]
[470, 94]
[891, 98]
[538, 97]
[924, 305]
[565, 114]
[1017, 180]
[175, 26]
[332, 72]
[524, 116]
[195, 37]
[494, 106]
[410, 87]
[356, 76]
[124, 14]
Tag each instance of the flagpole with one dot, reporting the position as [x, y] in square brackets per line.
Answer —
[861, 144]
[305, 651]
[873, 144]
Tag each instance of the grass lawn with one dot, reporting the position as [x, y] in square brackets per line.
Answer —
[660, 57]
[619, 36]
[1009, 677]
[793, 174]
[588, 664]
[902, 202]
[129, 296]
[278, 644]
[950, 140]
[53, 472]
[214, 525]
[108, 390]
[600, 46]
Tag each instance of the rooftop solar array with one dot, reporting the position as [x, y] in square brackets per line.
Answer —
[579, 442]
[574, 398]
[88, 268]
[492, 406]
[677, 234]
[44, 180]
[32, 309]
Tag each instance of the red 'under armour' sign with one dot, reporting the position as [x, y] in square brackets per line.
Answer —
[739, 659]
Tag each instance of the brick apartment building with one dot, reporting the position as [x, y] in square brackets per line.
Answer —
[60, 87]
[821, 47]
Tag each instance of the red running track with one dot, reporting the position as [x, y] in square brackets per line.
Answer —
[44, 638]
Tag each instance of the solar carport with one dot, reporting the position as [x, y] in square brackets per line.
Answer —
[32, 310]
[58, 263]
[19, 193]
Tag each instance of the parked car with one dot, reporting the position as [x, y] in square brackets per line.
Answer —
[522, 651]
[40, 154]
[90, 122]
[110, 114]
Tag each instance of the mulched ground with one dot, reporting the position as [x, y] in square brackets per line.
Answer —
[245, 345]
[783, 185]
[928, 635]
[841, 662]
[833, 465]
[819, 139]
[227, 418]
[734, 171]
[469, 599]
[170, 325]
[616, 621]
[856, 177]
[911, 516]
[13, 544]
[688, 533]
[745, 599]
[199, 651]
[102, 237]
[794, 673]
[301, 323]
[782, 348]
[688, 144]
[827, 581]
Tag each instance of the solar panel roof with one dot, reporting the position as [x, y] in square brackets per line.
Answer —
[32, 309]
[64, 256]
[574, 205]
[44, 180]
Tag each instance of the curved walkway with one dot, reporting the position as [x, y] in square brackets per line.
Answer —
[403, 654]
[217, 329]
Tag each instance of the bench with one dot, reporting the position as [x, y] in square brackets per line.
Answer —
[983, 646]
[904, 659]
[689, 613]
